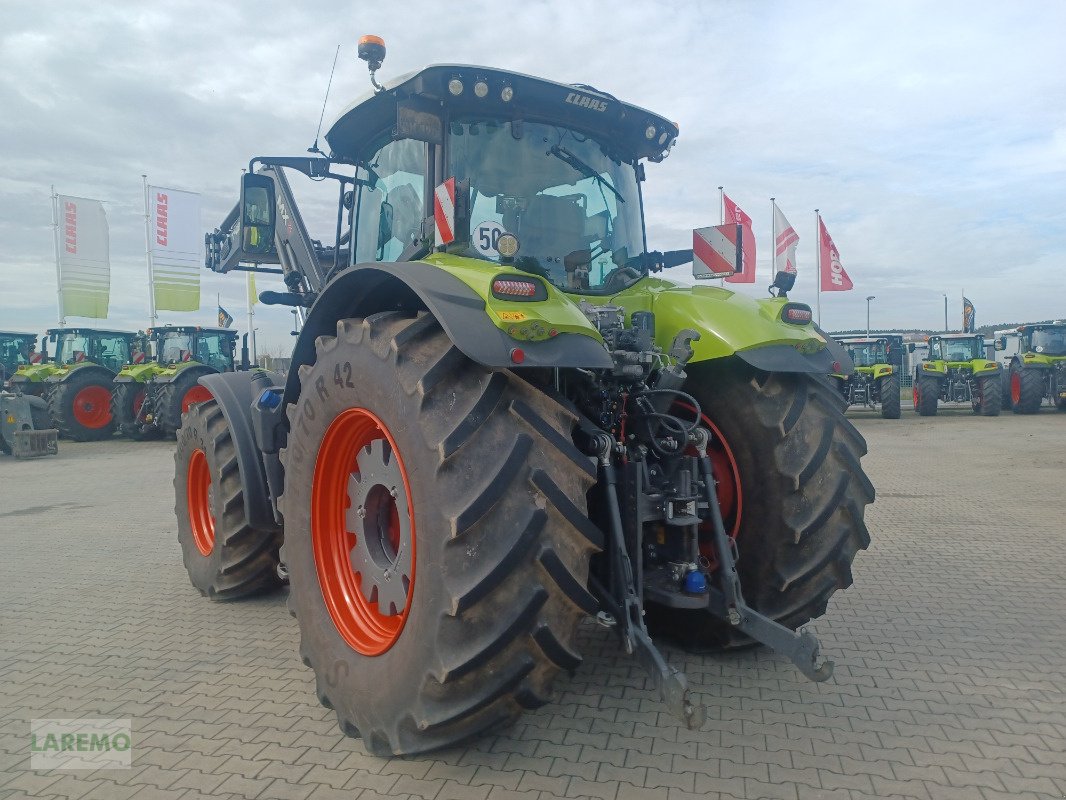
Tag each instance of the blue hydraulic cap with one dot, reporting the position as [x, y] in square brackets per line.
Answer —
[695, 582]
[270, 398]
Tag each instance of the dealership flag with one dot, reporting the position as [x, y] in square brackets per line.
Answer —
[732, 213]
[834, 278]
[174, 246]
[225, 319]
[785, 243]
[82, 257]
[969, 316]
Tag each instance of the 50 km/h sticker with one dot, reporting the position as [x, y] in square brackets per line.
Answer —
[487, 236]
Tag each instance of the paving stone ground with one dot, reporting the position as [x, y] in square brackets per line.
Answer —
[950, 653]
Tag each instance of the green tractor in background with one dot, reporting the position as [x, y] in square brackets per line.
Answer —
[875, 382]
[77, 381]
[16, 350]
[956, 371]
[1038, 371]
[151, 394]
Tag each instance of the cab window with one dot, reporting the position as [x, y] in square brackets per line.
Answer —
[389, 214]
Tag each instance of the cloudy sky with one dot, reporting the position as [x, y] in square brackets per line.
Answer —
[932, 135]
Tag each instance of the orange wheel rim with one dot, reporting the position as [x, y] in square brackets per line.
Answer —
[914, 393]
[92, 407]
[363, 531]
[198, 499]
[197, 394]
[138, 403]
[1016, 388]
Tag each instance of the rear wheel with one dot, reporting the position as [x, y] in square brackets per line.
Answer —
[179, 395]
[437, 538]
[1004, 386]
[127, 400]
[80, 405]
[225, 557]
[926, 395]
[788, 460]
[1026, 390]
[890, 402]
[989, 394]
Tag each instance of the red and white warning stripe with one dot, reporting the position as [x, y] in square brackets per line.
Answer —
[444, 211]
[716, 251]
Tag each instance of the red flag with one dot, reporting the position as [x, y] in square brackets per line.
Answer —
[734, 215]
[787, 240]
[834, 278]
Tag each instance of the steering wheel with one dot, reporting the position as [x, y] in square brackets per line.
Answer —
[618, 279]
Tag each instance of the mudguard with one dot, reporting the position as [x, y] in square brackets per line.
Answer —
[369, 288]
[236, 393]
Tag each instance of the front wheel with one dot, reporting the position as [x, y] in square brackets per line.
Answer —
[436, 536]
[127, 400]
[80, 405]
[989, 394]
[226, 557]
[792, 492]
[890, 401]
[1026, 390]
[174, 398]
[926, 395]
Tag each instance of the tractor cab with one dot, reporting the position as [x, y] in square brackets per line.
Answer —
[16, 350]
[1047, 340]
[867, 352]
[956, 347]
[175, 345]
[73, 346]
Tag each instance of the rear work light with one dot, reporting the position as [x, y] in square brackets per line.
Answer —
[796, 313]
[521, 289]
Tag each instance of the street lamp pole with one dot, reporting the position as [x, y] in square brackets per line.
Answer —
[945, 312]
[868, 299]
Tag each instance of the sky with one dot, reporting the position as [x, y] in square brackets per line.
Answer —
[931, 135]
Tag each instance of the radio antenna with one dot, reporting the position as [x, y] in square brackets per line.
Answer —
[314, 148]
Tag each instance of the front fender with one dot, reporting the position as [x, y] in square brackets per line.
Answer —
[412, 286]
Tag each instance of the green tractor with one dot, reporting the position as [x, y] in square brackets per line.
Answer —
[875, 382]
[500, 419]
[77, 380]
[151, 394]
[956, 371]
[16, 350]
[1038, 371]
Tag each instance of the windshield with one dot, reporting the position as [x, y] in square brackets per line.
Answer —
[866, 354]
[959, 349]
[109, 350]
[575, 210]
[14, 352]
[1050, 341]
[176, 347]
[215, 350]
[72, 348]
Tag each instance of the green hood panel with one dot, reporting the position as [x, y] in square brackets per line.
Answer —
[50, 371]
[139, 373]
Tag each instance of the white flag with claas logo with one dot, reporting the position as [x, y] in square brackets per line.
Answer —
[84, 257]
[176, 244]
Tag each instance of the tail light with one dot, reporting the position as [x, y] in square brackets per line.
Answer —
[796, 314]
[522, 289]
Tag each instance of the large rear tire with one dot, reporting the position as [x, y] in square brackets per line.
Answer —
[890, 402]
[177, 396]
[989, 396]
[788, 461]
[226, 557]
[926, 395]
[489, 496]
[1026, 390]
[126, 402]
[80, 405]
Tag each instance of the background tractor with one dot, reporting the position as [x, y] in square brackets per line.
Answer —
[875, 382]
[16, 350]
[24, 426]
[77, 381]
[500, 420]
[151, 394]
[1038, 369]
[956, 371]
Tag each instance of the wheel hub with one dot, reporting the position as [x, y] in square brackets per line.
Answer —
[379, 517]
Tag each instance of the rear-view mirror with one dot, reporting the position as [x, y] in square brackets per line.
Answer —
[257, 213]
[910, 347]
[1000, 343]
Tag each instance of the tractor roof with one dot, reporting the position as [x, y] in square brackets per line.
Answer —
[862, 339]
[1040, 326]
[957, 336]
[157, 329]
[17, 335]
[90, 331]
[411, 104]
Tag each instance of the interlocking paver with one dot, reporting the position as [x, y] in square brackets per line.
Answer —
[948, 651]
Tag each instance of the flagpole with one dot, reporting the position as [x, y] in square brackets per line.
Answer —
[773, 238]
[148, 256]
[721, 216]
[963, 294]
[55, 241]
[818, 262]
[251, 314]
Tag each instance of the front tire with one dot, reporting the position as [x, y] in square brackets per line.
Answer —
[926, 395]
[890, 402]
[178, 396]
[787, 461]
[80, 405]
[1026, 390]
[226, 557]
[987, 404]
[126, 402]
[493, 494]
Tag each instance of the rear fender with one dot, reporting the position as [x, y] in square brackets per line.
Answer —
[261, 477]
[414, 286]
[97, 371]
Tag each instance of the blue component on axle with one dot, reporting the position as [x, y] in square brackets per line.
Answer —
[695, 582]
[270, 398]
